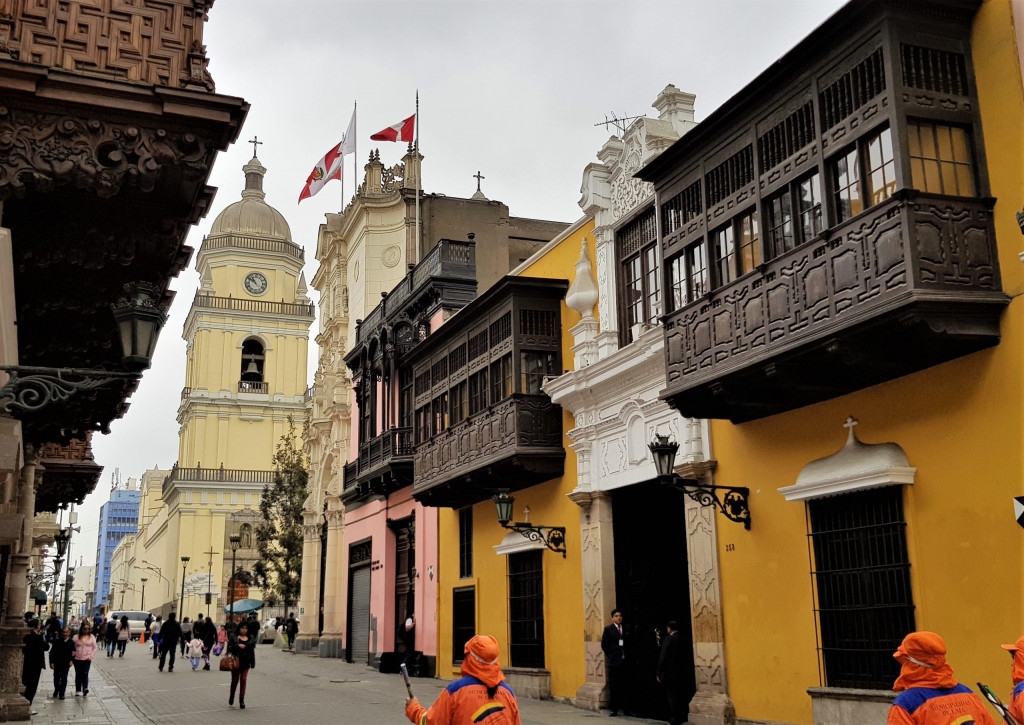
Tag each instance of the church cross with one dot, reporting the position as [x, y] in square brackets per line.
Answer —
[255, 142]
[850, 423]
[478, 178]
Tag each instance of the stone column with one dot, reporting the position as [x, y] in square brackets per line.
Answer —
[598, 562]
[711, 705]
[332, 641]
[309, 596]
[13, 706]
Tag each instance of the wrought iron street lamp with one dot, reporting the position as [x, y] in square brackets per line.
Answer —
[734, 503]
[143, 605]
[139, 317]
[235, 541]
[181, 599]
[552, 537]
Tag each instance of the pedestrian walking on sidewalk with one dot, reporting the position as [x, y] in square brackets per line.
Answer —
[61, 655]
[186, 634]
[33, 661]
[111, 636]
[195, 652]
[482, 695]
[154, 636]
[291, 630]
[85, 650]
[170, 634]
[124, 635]
[243, 647]
[209, 638]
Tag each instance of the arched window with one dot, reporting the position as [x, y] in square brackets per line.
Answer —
[251, 380]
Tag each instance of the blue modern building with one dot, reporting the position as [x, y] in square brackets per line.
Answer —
[118, 517]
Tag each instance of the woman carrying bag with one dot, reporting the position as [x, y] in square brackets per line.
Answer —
[241, 657]
[124, 633]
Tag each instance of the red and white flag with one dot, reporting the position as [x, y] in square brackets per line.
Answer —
[327, 168]
[401, 131]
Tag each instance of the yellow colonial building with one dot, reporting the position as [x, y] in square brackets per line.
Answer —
[842, 246]
[247, 338]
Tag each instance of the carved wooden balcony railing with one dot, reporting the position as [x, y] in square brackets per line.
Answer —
[514, 444]
[910, 283]
[384, 466]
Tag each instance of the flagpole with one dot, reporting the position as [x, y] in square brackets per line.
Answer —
[355, 150]
[419, 173]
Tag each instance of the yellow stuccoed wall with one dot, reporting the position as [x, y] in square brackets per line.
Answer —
[960, 425]
[549, 505]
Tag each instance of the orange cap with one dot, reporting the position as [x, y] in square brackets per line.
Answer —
[1017, 646]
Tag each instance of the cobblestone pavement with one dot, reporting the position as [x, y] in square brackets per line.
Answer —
[284, 688]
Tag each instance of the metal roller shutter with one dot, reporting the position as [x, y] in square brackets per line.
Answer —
[359, 622]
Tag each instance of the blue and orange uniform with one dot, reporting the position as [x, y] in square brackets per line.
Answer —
[1017, 698]
[929, 694]
[481, 696]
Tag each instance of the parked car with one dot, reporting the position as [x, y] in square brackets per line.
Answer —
[136, 621]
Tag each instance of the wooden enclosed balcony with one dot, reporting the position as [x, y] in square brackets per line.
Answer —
[911, 283]
[384, 466]
[514, 444]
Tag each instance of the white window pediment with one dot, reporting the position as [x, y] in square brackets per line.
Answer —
[514, 542]
[855, 467]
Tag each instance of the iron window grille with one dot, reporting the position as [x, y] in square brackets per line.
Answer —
[860, 575]
[526, 608]
[463, 620]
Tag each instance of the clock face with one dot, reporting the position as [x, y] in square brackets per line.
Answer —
[255, 283]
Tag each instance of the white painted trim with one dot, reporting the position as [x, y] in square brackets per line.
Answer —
[515, 543]
[894, 476]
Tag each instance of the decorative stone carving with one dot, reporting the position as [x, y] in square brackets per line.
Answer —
[45, 151]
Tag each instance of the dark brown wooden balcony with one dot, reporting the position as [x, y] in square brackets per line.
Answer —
[514, 444]
[384, 466]
[911, 283]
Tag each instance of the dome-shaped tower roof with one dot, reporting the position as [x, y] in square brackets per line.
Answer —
[252, 215]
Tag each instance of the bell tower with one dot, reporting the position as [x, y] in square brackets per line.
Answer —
[247, 336]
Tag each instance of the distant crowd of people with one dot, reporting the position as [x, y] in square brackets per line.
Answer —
[76, 644]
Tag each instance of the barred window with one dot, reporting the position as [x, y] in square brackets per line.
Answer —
[526, 608]
[861, 576]
[463, 620]
[465, 543]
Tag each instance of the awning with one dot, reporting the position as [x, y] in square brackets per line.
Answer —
[39, 596]
[244, 606]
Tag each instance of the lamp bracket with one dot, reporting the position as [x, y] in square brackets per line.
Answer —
[552, 537]
[734, 503]
[33, 388]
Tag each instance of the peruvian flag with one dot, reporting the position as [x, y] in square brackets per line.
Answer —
[401, 131]
[327, 168]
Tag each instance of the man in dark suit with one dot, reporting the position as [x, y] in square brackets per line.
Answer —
[615, 644]
[670, 673]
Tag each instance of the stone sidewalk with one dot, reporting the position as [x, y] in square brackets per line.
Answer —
[284, 688]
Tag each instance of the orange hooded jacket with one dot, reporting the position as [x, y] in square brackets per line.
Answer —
[1017, 699]
[929, 694]
[480, 696]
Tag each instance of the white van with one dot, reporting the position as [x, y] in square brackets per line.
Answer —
[136, 621]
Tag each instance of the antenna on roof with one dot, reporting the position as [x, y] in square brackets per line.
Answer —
[621, 124]
[115, 480]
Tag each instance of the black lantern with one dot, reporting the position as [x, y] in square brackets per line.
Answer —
[734, 502]
[552, 537]
[139, 319]
[61, 539]
[181, 597]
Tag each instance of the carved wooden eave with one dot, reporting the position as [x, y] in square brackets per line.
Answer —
[69, 474]
[126, 164]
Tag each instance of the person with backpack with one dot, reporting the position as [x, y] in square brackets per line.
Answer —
[291, 630]
[481, 694]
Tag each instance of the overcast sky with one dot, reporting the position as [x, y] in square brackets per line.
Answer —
[510, 88]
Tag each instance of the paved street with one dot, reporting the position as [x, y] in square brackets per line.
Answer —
[284, 688]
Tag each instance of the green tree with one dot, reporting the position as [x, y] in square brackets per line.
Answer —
[279, 535]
